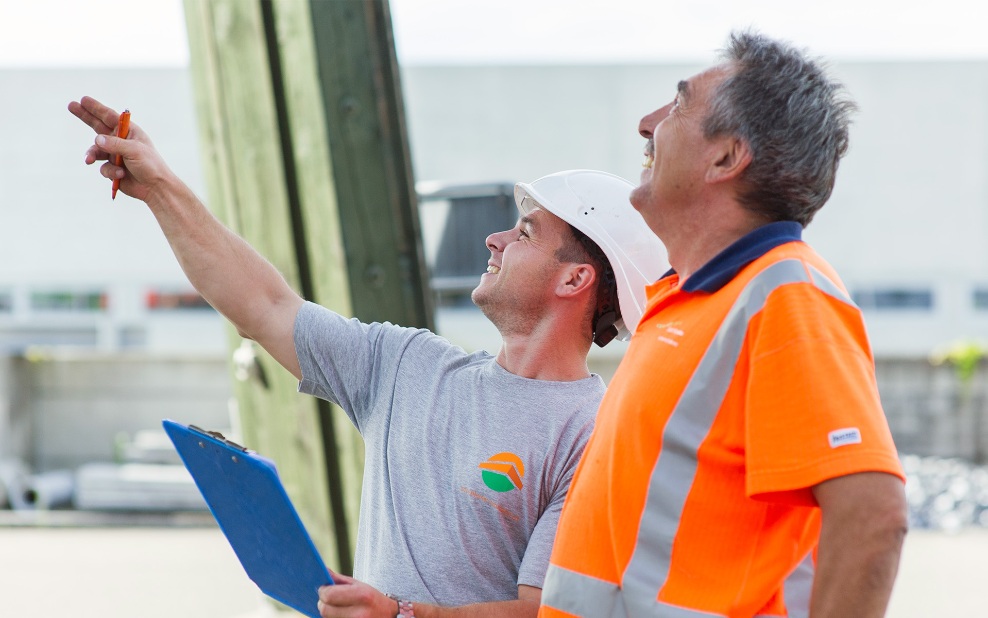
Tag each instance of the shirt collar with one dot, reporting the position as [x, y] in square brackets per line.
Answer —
[725, 265]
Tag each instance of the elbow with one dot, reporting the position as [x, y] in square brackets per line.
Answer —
[889, 535]
[898, 525]
[891, 521]
[898, 513]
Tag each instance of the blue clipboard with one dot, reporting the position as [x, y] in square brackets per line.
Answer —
[245, 495]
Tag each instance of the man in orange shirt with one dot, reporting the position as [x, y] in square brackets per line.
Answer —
[741, 464]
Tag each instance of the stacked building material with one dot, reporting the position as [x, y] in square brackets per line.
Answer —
[946, 493]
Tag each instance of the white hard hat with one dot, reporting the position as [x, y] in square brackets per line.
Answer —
[597, 204]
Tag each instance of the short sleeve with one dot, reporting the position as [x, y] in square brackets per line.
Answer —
[347, 361]
[535, 562]
[812, 406]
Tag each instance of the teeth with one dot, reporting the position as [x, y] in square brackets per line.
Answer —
[493, 270]
[648, 162]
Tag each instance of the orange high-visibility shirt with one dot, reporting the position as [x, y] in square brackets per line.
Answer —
[740, 391]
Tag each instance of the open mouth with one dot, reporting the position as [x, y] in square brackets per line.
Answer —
[493, 269]
[649, 160]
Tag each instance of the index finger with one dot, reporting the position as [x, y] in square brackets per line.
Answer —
[99, 117]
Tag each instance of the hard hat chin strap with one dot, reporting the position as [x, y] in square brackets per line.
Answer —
[604, 330]
[607, 311]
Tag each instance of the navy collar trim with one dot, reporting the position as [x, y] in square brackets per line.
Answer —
[715, 274]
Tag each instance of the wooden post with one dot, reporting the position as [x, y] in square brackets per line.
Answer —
[306, 157]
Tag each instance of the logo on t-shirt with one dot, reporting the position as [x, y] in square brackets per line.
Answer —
[843, 437]
[503, 472]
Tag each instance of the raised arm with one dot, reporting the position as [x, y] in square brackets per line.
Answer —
[234, 278]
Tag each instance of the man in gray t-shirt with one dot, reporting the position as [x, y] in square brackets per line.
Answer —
[469, 456]
[466, 466]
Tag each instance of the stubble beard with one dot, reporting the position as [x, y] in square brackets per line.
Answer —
[509, 313]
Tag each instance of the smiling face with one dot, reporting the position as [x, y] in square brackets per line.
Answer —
[677, 154]
[522, 272]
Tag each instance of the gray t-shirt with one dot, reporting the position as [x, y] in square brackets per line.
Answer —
[466, 465]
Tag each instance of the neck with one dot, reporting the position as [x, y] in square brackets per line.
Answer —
[545, 354]
[699, 239]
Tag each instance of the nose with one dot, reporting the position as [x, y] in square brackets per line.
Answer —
[646, 126]
[497, 241]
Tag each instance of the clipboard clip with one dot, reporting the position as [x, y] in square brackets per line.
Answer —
[218, 436]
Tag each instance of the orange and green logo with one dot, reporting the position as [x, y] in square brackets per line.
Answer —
[503, 472]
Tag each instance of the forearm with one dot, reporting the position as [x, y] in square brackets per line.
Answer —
[350, 597]
[860, 586]
[500, 609]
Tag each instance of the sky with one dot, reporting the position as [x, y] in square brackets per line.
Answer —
[72, 33]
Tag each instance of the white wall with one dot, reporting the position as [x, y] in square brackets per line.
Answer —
[58, 222]
[910, 207]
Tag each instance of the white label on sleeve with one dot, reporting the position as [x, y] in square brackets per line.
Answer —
[843, 437]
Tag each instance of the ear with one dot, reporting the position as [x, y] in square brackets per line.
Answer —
[732, 157]
[575, 280]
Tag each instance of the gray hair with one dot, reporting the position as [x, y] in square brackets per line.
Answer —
[794, 118]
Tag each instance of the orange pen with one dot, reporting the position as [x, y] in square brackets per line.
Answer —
[123, 129]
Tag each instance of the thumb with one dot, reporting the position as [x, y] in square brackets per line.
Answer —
[113, 144]
[339, 578]
[122, 152]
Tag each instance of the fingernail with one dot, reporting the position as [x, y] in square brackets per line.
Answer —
[100, 140]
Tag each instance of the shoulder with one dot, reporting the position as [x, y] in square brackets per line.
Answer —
[318, 319]
[791, 264]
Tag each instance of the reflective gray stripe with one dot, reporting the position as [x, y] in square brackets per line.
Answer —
[798, 587]
[589, 597]
[686, 429]
[579, 594]
[674, 471]
[823, 282]
[664, 610]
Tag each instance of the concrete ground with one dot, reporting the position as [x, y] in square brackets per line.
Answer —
[190, 571]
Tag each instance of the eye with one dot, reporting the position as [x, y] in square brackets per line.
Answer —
[522, 234]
